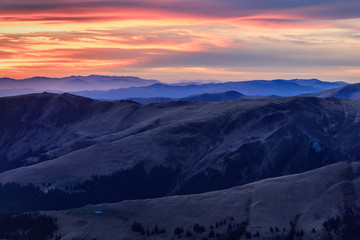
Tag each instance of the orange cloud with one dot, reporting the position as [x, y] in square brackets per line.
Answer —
[202, 39]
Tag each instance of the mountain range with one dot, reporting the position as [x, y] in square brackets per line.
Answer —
[218, 165]
[11, 86]
[77, 146]
[256, 87]
[119, 87]
[205, 97]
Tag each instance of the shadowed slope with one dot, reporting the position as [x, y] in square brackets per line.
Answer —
[267, 207]
[58, 141]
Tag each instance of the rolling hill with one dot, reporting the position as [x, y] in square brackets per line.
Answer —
[83, 146]
[301, 206]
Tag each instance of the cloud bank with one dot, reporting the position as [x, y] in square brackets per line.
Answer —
[172, 40]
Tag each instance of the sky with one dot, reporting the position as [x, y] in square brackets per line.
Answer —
[173, 40]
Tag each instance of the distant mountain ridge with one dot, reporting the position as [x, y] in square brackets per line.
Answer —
[71, 83]
[351, 91]
[120, 87]
[256, 87]
[205, 97]
[19, 91]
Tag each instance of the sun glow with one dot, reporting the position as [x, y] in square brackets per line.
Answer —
[182, 38]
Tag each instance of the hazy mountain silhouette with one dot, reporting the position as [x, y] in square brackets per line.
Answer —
[115, 87]
[205, 97]
[256, 87]
[348, 91]
[71, 83]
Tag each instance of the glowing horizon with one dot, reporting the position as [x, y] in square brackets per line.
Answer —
[172, 40]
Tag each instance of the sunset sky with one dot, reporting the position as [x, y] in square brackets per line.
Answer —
[173, 40]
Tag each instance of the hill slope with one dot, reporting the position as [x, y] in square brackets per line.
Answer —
[60, 141]
[308, 200]
[351, 91]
